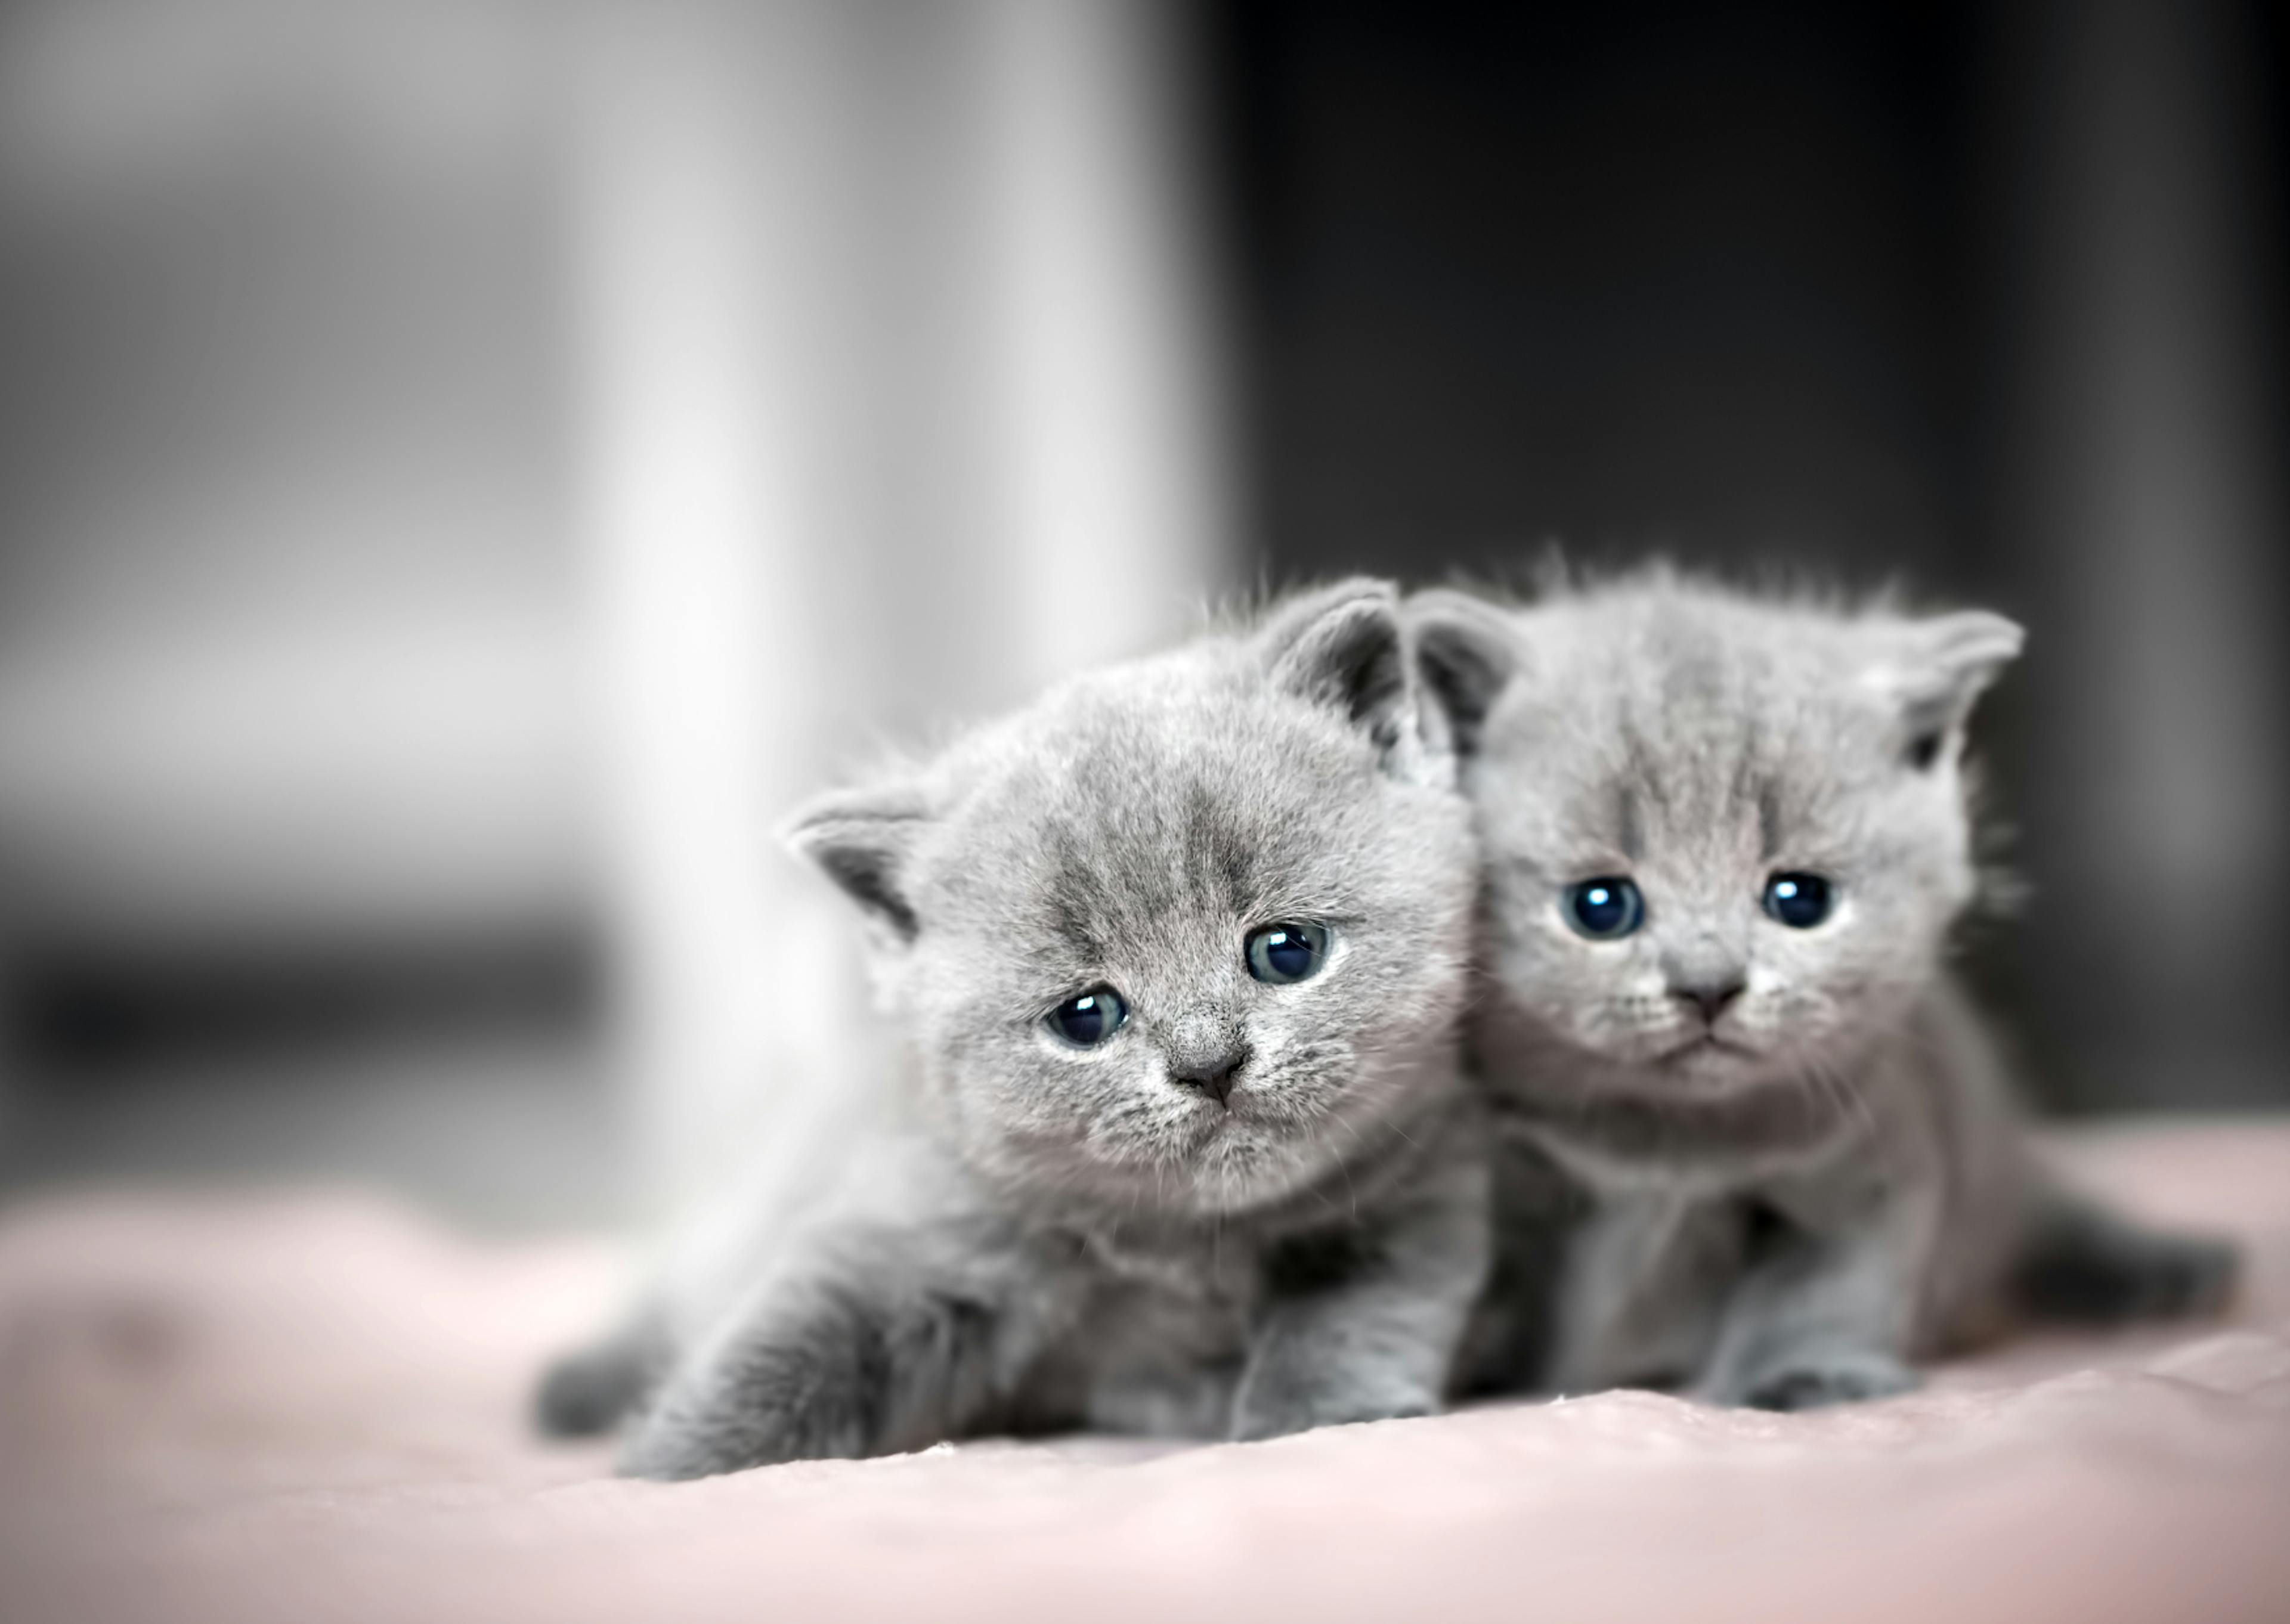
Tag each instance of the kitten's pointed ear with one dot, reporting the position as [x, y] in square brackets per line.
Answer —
[1341, 647]
[1936, 670]
[1465, 654]
[864, 840]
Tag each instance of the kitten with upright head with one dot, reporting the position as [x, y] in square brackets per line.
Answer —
[1177, 952]
[1726, 841]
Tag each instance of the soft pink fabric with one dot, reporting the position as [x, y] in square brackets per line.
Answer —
[310, 1409]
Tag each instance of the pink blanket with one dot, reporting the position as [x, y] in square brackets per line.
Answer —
[310, 1410]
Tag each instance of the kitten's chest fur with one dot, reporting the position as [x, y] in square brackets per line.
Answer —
[1158, 1336]
[1663, 1222]
[1159, 1343]
[1669, 1201]
[1167, 1312]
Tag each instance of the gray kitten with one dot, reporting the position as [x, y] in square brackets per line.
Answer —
[1178, 951]
[1726, 841]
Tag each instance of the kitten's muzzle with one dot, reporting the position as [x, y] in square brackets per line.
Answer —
[1215, 1076]
[1710, 997]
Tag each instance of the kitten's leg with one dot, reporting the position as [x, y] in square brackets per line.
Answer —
[1363, 1324]
[1538, 1210]
[1828, 1316]
[1643, 1280]
[872, 1349]
[2083, 1264]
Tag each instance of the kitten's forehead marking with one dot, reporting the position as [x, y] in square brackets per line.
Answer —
[1142, 830]
[1629, 830]
[1177, 855]
[1073, 899]
[1216, 848]
[1770, 830]
[1687, 730]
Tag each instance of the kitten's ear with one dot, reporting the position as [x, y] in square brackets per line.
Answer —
[1465, 654]
[1936, 670]
[1341, 647]
[863, 839]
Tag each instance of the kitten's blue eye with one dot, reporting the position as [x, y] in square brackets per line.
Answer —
[1799, 901]
[1089, 1020]
[1284, 953]
[1604, 909]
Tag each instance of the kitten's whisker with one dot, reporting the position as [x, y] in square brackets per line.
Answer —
[1849, 1096]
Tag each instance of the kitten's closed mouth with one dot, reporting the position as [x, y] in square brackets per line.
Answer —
[1701, 1045]
[1238, 1124]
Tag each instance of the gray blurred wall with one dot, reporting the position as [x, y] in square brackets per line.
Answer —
[1983, 299]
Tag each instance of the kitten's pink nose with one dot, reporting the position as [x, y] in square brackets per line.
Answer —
[1214, 1077]
[1710, 997]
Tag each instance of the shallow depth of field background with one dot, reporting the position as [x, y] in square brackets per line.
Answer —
[469, 469]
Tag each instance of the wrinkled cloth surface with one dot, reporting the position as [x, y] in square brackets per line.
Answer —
[311, 1409]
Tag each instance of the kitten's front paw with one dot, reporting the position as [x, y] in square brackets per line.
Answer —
[1815, 1383]
[666, 1458]
[1257, 1422]
[587, 1392]
[674, 1449]
[732, 1427]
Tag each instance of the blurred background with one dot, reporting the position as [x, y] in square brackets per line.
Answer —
[469, 469]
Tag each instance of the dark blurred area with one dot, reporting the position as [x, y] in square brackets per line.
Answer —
[1987, 300]
[1696, 277]
[396, 395]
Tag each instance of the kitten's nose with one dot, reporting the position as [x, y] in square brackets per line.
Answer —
[1212, 1077]
[1710, 996]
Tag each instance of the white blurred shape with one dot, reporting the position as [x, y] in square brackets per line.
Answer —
[707, 545]
[1115, 437]
[898, 404]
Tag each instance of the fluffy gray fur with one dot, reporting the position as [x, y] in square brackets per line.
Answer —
[1080, 1237]
[1789, 1157]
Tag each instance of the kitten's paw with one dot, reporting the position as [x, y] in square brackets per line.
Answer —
[673, 1447]
[710, 1428]
[1831, 1379]
[679, 1456]
[587, 1392]
[1259, 1422]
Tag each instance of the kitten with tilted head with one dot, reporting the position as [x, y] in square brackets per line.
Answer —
[1178, 953]
[1726, 840]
